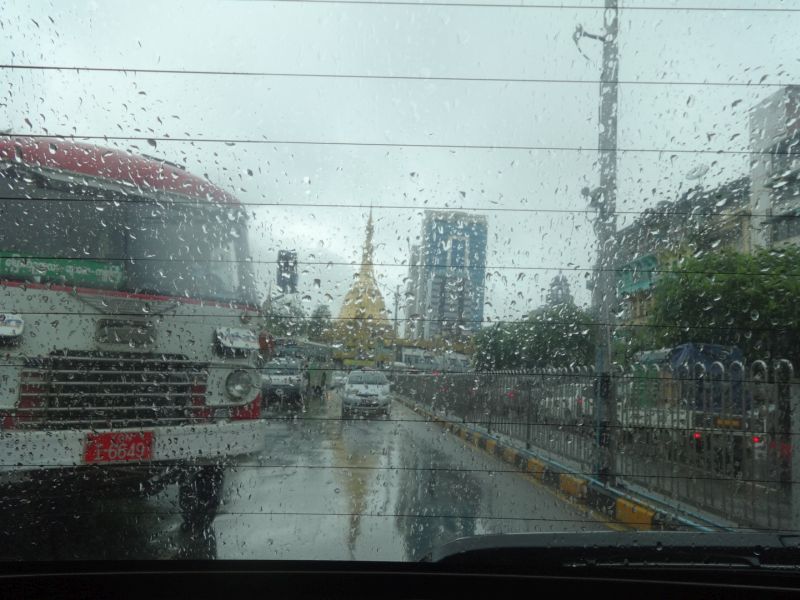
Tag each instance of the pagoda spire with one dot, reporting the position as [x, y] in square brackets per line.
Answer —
[367, 256]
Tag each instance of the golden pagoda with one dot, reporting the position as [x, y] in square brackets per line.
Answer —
[364, 327]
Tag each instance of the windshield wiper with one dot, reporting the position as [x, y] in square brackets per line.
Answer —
[621, 550]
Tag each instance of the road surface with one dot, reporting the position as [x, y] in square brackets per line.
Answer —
[321, 489]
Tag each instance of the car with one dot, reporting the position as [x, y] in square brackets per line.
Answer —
[366, 392]
[282, 382]
[339, 379]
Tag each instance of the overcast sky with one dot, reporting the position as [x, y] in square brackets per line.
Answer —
[526, 249]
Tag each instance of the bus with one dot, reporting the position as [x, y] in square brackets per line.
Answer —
[127, 325]
[425, 360]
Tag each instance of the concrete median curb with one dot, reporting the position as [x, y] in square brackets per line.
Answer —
[614, 504]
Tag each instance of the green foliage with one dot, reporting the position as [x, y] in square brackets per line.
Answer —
[748, 300]
[630, 340]
[555, 336]
[319, 326]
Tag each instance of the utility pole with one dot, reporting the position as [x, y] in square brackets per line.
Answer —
[396, 301]
[604, 199]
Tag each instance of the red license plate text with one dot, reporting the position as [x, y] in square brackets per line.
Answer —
[118, 447]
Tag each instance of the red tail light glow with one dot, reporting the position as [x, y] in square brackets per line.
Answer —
[696, 435]
[756, 439]
[251, 410]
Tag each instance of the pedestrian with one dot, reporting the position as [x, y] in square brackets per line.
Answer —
[323, 386]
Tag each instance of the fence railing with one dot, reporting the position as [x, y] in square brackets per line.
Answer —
[718, 437]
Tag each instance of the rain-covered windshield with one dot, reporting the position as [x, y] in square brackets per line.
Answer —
[367, 378]
[282, 367]
[531, 267]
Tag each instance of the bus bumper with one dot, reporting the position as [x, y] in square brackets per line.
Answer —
[23, 454]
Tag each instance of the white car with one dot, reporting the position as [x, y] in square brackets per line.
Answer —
[366, 392]
[338, 380]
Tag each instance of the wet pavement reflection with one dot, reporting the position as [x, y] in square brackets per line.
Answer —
[322, 488]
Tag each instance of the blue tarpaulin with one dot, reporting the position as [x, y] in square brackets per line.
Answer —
[687, 356]
[706, 354]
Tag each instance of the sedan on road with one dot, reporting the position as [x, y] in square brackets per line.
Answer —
[282, 381]
[366, 392]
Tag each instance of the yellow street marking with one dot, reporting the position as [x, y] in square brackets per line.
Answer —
[510, 455]
[582, 509]
[633, 514]
[572, 486]
[536, 468]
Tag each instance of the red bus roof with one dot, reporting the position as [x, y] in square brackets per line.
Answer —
[112, 164]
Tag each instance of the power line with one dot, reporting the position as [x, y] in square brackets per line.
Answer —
[549, 323]
[568, 268]
[423, 4]
[426, 516]
[200, 366]
[439, 208]
[378, 468]
[365, 76]
[360, 144]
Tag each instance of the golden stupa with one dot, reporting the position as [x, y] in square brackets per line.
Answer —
[364, 327]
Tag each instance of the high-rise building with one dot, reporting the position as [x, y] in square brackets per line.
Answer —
[413, 321]
[447, 276]
[775, 168]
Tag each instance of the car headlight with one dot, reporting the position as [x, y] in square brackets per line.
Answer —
[238, 384]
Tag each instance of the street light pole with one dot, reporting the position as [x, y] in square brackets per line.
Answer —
[604, 200]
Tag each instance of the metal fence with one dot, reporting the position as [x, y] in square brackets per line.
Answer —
[717, 437]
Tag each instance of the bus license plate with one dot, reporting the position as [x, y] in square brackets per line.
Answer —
[118, 447]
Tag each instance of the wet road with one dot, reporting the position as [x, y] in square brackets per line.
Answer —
[321, 489]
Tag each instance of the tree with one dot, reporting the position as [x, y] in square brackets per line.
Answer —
[319, 325]
[286, 320]
[557, 336]
[730, 298]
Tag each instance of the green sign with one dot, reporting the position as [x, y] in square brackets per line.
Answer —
[638, 275]
[71, 271]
